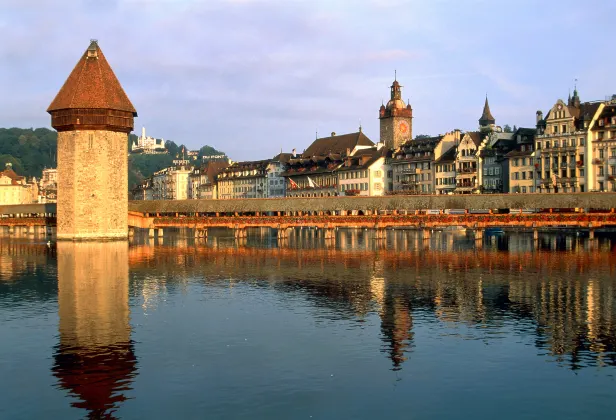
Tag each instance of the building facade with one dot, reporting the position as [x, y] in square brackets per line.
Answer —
[564, 146]
[493, 164]
[445, 172]
[467, 163]
[364, 173]
[93, 117]
[243, 180]
[276, 183]
[603, 134]
[15, 189]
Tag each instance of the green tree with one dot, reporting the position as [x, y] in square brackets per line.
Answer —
[422, 136]
[507, 129]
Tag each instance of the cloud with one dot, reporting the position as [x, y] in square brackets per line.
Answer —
[252, 76]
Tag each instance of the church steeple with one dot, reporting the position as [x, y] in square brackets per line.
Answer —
[486, 120]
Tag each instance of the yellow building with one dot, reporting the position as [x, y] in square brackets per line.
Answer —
[603, 135]
[563, 146]
[14, 189]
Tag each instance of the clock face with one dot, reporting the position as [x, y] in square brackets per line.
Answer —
[403, 126]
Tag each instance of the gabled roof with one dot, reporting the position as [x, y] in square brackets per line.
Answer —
[92, 85]
[448, 156]
[369, 156]
[475, 136]
[282, 157]
[15, 179]
[337, 144]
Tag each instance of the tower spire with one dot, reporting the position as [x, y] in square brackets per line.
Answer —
[486, 119]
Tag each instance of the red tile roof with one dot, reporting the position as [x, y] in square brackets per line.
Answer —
[92, 84]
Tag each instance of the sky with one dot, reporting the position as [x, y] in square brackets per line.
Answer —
[252, 77]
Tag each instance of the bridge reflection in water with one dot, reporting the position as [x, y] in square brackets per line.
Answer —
[94, 360]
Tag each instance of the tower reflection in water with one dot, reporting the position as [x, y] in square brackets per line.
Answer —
[94, 360]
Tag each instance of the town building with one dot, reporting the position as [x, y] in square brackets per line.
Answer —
[412, 164]
[564, 146]
[493, 164]
[194, 182]
[144, 190]
[468, 174]
[313, 174]
[208, 186]
[445, 172]
[276, 183]
[364, 172]
[160, 184]
[243, 180]
[178, 185]
[93, 117]
[148, 145]
[603, 135]
[14, 189]
[396, 119]
[48, 186]
[522, 167]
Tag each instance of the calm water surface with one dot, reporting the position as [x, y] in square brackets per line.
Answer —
[352, 328]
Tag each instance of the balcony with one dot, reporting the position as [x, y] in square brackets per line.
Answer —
[408, 171]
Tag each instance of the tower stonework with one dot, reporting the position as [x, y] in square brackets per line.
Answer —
[396, 119]
[93, 117]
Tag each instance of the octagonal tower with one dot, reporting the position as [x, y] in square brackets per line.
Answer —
[93, 117]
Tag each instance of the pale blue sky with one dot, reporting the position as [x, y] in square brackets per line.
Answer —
[253, 76]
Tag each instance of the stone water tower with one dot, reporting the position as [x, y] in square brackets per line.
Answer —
[93, 117]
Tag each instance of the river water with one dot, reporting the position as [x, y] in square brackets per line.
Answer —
[357, 328]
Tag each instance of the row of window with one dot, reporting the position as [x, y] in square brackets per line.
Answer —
[495, 170]
[446, 167]
[522, 162]
[362, 186]
[354, 174]
[522, 175]
[562, 143]
[612, 170]
[446, 181]
[415, 165]
[612, 153]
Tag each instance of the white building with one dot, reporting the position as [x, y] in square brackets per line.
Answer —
[148, 145]
[364, 173]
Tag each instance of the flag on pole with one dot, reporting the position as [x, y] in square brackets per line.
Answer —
[311, 183]
[293, 184]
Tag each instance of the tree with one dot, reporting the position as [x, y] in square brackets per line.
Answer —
[507, 129]
[208, 151]
[422, 136]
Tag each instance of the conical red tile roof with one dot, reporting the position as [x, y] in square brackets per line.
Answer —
[92, 85]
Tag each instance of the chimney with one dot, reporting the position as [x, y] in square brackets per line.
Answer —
[348, 152]
[539, 116]
[333, 133]
[293, 152]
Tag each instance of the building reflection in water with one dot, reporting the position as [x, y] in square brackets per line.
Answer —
[94, 360]
[559, 291]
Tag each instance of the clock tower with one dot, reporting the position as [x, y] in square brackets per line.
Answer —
[396, 119]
